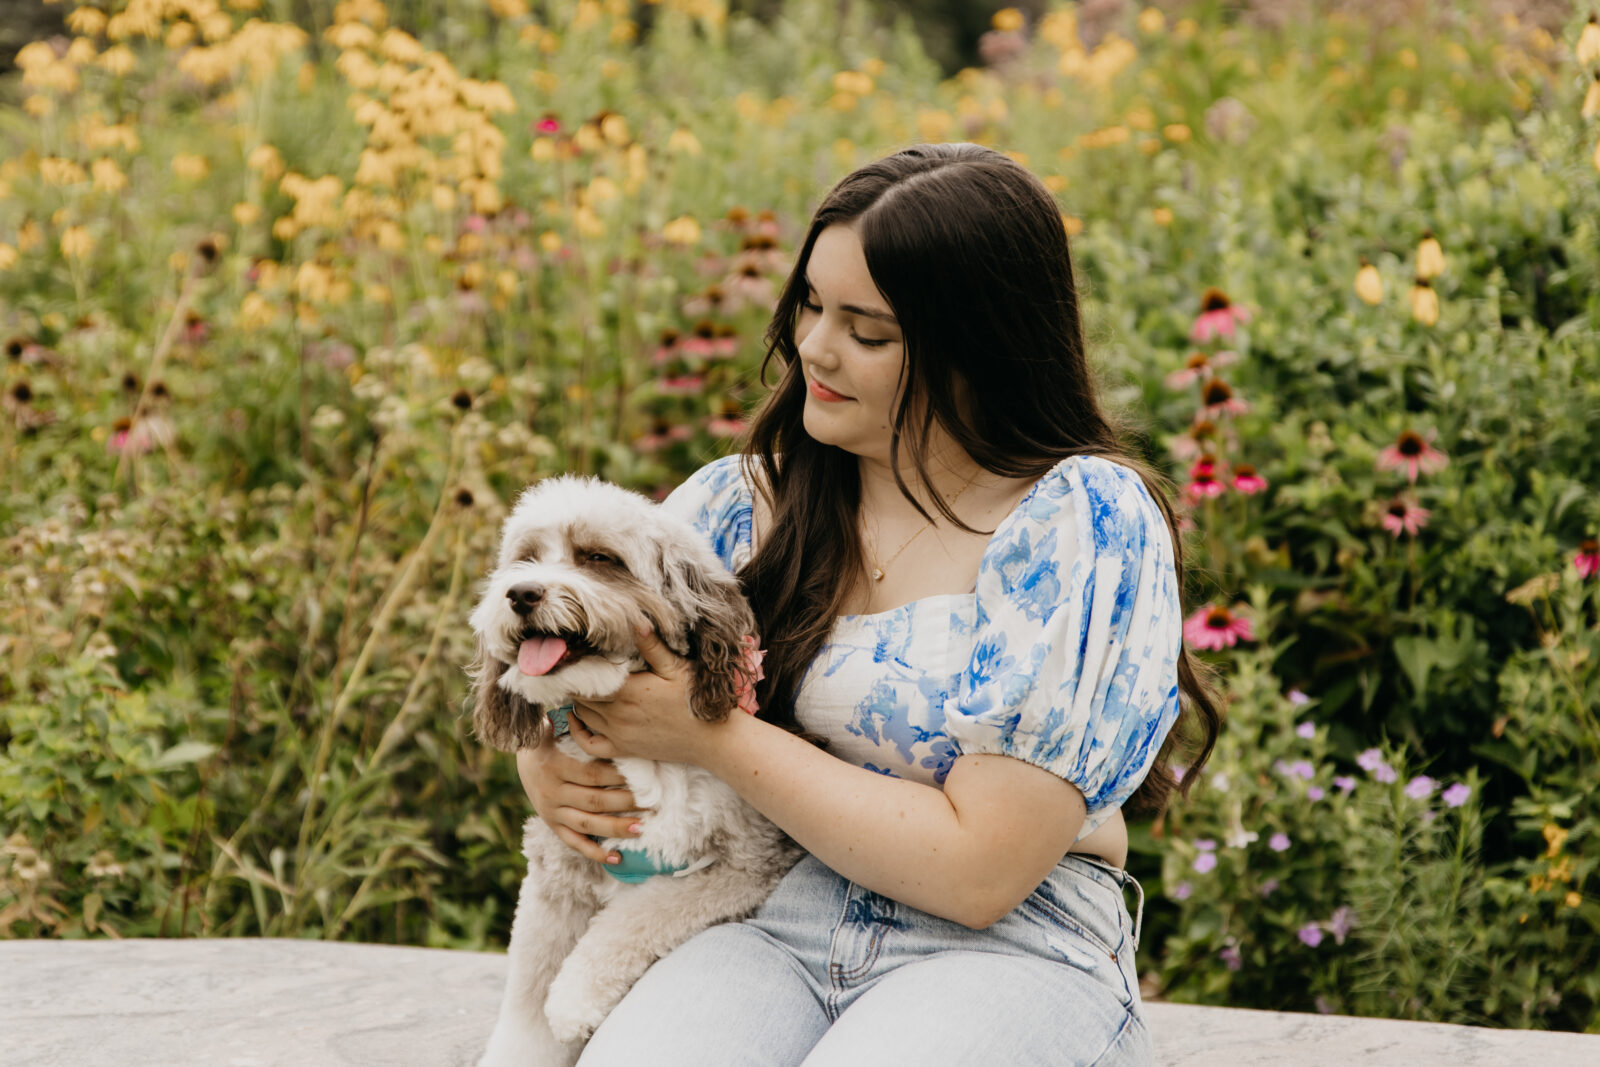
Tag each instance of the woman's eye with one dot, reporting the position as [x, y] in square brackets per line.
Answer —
[809, 306]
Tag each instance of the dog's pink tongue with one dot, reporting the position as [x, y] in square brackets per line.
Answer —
[537, 655]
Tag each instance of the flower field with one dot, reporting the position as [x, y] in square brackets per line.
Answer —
[292, 310]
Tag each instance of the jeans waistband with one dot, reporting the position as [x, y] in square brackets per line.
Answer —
[1122, 878]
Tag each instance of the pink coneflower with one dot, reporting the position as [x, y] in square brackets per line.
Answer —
[660, 436]
[702, 343]
[1218, 317]
[1217, 396]
[139, 436]
[1246, 480]
[196, 329]
[1587, 561]
[1199, 365]
[1203, 480]
[762, 248]
[548, 124]
[727, 425]
[725, 345]
[1412, 451]
[748, 286]
[1403, 517]
[1215, 627]
[667, 348]
[1199, 437]
[705, 302]
[682, 385]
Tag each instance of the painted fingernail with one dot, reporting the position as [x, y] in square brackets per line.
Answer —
[612, 857]
[636, 828]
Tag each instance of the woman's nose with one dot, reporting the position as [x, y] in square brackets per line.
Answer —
[815, 347]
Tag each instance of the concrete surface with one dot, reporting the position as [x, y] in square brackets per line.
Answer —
[261, 1003]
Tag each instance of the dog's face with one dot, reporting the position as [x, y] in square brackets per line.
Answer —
[581, 564]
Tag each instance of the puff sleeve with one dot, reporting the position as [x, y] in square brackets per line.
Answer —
[716, 501]
[1077, 631]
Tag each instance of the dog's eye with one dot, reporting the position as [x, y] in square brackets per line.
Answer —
[599, 557]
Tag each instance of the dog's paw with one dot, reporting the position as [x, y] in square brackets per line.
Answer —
[574, 1012]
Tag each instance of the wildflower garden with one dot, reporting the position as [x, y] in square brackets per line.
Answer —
[295, 298]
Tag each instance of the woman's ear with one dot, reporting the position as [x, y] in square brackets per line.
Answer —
[500, 718]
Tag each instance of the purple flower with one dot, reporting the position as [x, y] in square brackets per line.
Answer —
[1419, 787]
[1303, 769]
[1279, 842]
[1314, 792]
[1370, 760]
[1269, 887]
[1297, 698]
[1345, 783]
[1385, 773]
[1307, 730]
[1205, 844]
[1205, 861]
[1230, 956]
[1428, 816]
[1181, 891]
[1324, 1006]
[1311, 934]
[1282, 767]
[1340, 923]
[1457, 794]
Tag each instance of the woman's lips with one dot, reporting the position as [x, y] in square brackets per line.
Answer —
[822, 392]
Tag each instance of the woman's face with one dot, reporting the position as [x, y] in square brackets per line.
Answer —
[851, 349]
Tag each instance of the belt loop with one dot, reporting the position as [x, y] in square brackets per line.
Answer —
[1138, 922]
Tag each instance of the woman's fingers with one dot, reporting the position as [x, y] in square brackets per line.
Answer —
[602, 801]
[596, 773]
[591, 742]
[587, 822]
[576, 841]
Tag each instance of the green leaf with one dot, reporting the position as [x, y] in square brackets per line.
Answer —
[184, 752]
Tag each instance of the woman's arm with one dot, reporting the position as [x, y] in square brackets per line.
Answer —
[969, 853]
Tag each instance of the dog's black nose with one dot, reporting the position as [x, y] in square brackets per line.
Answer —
[524, 597]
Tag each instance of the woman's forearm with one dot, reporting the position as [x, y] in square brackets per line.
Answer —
[968, 854]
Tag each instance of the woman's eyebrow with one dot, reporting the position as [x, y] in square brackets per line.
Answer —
[871, 313]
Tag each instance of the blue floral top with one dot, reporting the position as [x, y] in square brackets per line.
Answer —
[1065, 653]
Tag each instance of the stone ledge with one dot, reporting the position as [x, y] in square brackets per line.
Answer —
[266, 1002]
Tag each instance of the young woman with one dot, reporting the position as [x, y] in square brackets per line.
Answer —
[971, 593]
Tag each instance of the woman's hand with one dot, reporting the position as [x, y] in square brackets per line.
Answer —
[649, 717]
[573, 797]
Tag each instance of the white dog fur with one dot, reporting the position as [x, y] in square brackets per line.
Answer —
[588, 560]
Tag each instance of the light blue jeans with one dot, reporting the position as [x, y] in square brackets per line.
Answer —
[831, 975]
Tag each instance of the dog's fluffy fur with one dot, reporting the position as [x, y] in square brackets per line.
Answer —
[587, 561]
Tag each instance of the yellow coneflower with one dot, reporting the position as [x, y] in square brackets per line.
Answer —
[1597, 155]
[1369, 286]
[1430, 257]
[8, 257]
[684, 142]
[76, 242]
[1007, 18]
[683, 230]
[1424, 302]
[1591, 99]
[246, 213]
[1589, 41]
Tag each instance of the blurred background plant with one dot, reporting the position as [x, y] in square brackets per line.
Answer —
[295, 296]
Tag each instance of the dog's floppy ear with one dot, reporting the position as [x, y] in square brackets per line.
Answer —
[501, 719]
[719, 620]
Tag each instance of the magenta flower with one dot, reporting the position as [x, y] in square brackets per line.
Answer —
[1215, 627]
[1279, 842]
[1269, 887]
[1587, 561]
[660, 436]
[1340, 923]
[1369, 760]
[1419, 787]
[1413, 452]
[1205, 861]
[1247, 481]
[725, 426]
[1307, 730]
[1456, 795]
[548, 124]
[1181, 891]
[1404, 517]
[1345, 783]
[1311, 934]
[1216, 396]
[1230, 956]
[682, 385]
[1314, 792]
[1385, 773]
[1203, 480]
[1218, 317]
[1199, 366]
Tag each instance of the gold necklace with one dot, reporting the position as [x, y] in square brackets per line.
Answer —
[878, 569]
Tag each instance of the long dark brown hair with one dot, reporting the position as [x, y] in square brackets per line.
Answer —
[969, 250]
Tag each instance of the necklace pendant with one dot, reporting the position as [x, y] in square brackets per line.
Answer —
[877, 575]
